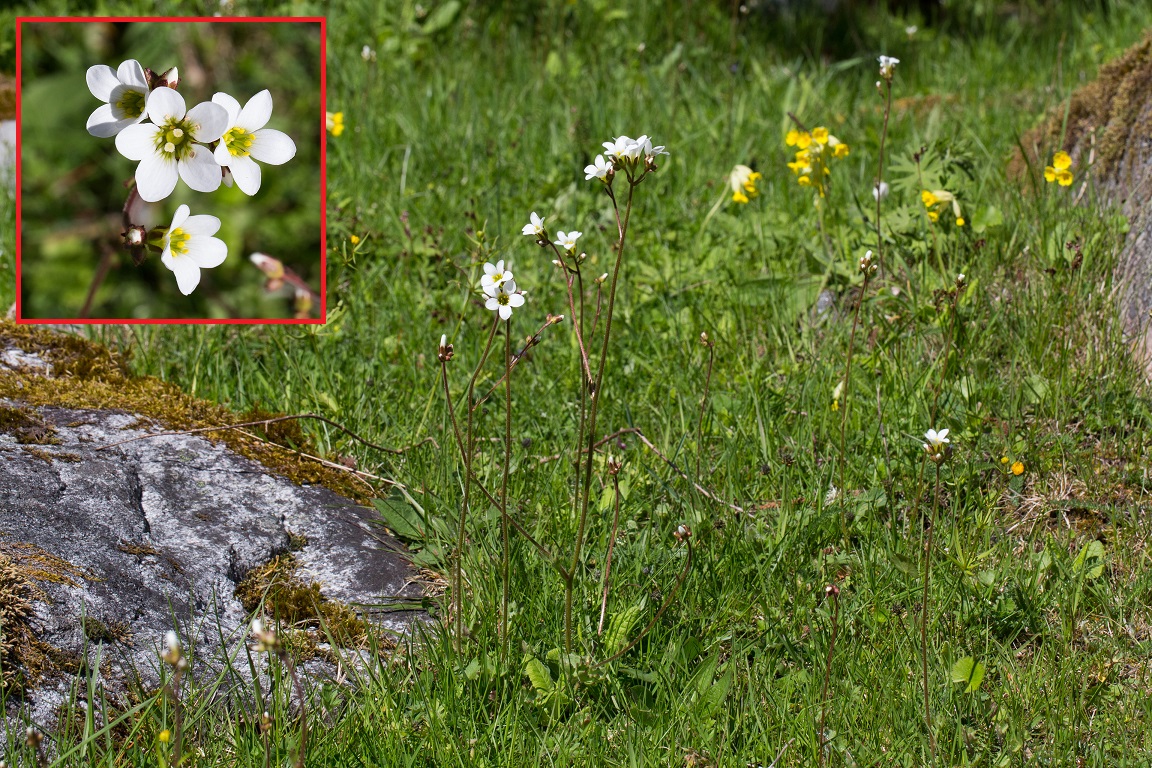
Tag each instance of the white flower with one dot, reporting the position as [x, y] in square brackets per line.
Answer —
[880, 191]
[618, 148]
[124, 93]
[504, 298]
[599, 169]
[190, 247]
[494, 275]
[535, 227]
[888, 66]
[167, 148]
[568, 240]
[367, 54]
[172, 641]
[246, 140]
[936, 440]
[649, 150]
[911, 30]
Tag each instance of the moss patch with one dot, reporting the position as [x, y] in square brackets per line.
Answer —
[1115, 105]
[24, 658]
[106, 632]
[26, 427]
[88, 375]
[286, 597]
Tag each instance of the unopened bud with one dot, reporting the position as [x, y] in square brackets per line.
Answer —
[961, 280]
[170, 79]
[303, 304]
[600, 280]
[683, 533]
[173, 654]
[613, 466]
[272, 268]
[135, 236]
[444, 351]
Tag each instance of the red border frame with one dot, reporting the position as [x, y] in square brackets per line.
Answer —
[323, 21]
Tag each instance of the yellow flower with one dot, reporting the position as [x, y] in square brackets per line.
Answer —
[742, 180]
[165, 735]
[835, 405]
[840, 150]
[928, 198]
[792, 138]
[820, 135]
[334, 122]
[355, 239]
[1018, 468]
[932, 215]
[804, 140]
[1058, 171]
[1004, 459]
[804, 181]
[959, 221]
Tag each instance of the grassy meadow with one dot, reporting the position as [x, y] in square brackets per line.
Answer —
[464, 118]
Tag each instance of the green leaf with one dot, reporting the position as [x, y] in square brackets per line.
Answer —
[985, 218]
[538, 675]
[400, 517]
[1090, 561]
[620, 629]
[712, 699]
[968, 670]
[1035, 388]
[441, 18]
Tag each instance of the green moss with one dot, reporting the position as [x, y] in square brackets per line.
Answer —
[24, 658]
[278, 589]
[26, 427]
[106, 632]
[1115, 106]
[88, 375]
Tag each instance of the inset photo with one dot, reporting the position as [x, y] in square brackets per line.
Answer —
[170, 170]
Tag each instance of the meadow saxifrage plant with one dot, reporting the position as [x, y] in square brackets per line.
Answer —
[214, 142]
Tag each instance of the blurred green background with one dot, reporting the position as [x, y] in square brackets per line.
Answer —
[73, 185]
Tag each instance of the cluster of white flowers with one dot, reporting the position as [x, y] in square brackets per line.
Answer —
[500, 290]
[214, 142]
[622, 152]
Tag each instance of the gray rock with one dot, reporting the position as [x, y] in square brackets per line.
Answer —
[160, 531]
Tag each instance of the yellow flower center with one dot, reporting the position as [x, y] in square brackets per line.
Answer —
[174, 139]
[131, 103]
[238, 141]
[178, 241]
[502, 299]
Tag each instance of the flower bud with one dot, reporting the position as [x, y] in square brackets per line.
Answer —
[600, 280]
[272, 268]
[135, 236]
[683, 533]
[613, 466]
[444, 351]
[303, 304]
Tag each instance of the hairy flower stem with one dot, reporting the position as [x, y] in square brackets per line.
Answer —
[506, 555]
[703, 405]
[925, 615]
[844, 413]
[173, 690]
[880, 177]
[834, 592]
[596, 394]
[608, 558]
[302, 751]
[469, 445]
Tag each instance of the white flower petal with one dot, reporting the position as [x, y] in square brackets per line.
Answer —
[101, 80]
[155, 176]
[165, 104]
[505, 312]
[491, 303]
[246, 173]
[103, 124]
[200, 170]
[201, 225]
[516, 300]
[186, 270]
[207, 252]
[272, 147]
[131, 73]
[135, 142]
[256, 112]
[209, 121]
[222, 155]
[231, 106]
[180, 216]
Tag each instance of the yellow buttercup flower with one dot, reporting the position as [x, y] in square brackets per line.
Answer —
[1004, 459]
[1018, 468]
[165, 735]
[355, 239]
[959, 221]
[1059, 170]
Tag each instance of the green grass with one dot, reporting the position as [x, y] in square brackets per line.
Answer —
[469, 129]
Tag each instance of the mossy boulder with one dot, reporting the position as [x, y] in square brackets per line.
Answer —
[114, 531]
[1107, 129]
